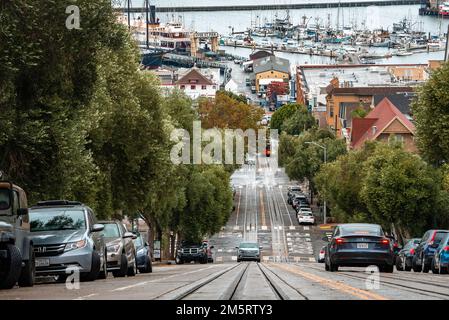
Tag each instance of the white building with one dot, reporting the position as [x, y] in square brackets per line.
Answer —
[195, 84]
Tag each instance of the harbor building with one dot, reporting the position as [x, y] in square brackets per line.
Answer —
[270, 69]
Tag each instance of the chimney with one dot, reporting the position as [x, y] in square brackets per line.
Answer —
[335, 82]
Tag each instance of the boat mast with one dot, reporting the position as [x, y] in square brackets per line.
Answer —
[129, 15]
[146, 21]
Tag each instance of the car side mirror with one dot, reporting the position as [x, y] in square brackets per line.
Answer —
[97, 227]
[212, 247]
[22, 211]
[236, 247]
[325, 239]
[129, 235]
[260, 248]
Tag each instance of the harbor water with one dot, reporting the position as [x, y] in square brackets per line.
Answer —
[371, 17]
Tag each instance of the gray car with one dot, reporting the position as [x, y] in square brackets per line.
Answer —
[249, 251]
[120, 248]
[66, 238]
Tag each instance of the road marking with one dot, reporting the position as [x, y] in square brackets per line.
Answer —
[264, 228]
[262, 207]
[306, 228]
[360, 293]
[292, 228]
[234, 258]
[86, 297]
[220, 250]
[236, 227]
[219, 259]
[311, 259]
[156, 280]
[238, 209]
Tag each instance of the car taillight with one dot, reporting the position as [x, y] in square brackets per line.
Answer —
[322, 251]
[395, 245]
[339, 240]
[385, 241]
[412, 251]
[446, 248]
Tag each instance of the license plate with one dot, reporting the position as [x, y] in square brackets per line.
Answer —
[362, 245]
[42, 262]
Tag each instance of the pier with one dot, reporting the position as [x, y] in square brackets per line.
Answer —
[316, 5]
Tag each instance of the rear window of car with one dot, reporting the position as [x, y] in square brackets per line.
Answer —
[366, 230]
[111, 230]
[439, 236]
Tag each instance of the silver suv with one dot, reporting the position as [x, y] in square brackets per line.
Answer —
[65, 235]
[120, 247]
[16, 246]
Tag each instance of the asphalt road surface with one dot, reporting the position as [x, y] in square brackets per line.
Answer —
[288, 269]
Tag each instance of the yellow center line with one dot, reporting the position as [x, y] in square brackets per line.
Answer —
[360, 293]
[262, 207]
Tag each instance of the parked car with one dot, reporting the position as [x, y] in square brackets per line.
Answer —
[358, 245]
[122, 256]
[191, 251]
[249, 251]
[143, 253]
[424, 252]
[209, 248]
[16, 246]
[292, 190]
[306, 217]
[405, 255]
[440, 261]
[302, 207]
[65, 234]
[321, 255]
[299, 199]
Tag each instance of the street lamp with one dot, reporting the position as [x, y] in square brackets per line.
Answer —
[325, 161]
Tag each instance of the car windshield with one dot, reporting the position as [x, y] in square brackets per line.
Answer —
[412, 244]
[4, 199]
[54, 220]
[365, 229]
[248, 245]
[111, 230]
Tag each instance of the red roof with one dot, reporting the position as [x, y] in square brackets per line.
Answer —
[380, 117]
[194, 77]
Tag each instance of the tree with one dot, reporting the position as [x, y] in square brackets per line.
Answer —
[432, 117]
[226, 112]
[340, 182]
[401, 189]
[300, 121]
[283, 113]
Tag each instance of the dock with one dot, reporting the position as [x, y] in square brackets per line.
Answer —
[290, 6]
[188, 62]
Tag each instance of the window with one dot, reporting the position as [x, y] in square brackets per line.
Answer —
[203, 87]
[193, 87]
[398, 138]
[57, 219]
[4, 199]
[16, 204]
[111, 230]
[331, 112]
[183, 87]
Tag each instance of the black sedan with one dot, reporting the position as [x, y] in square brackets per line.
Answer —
[405, 256]
[359, 245]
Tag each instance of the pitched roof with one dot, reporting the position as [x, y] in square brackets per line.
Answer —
[271, 63]
[366, 91]
[194, 76]
[401, 101]
[380, 117]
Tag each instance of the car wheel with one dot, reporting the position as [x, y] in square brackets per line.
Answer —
[179, 260]
[407, 268]
[28, 271]
[104, 271]
[94, 269]
[203, 261]
[399, 264]
[123, 267]
[415, 266]
[132, 270]
[425, 267]
[433, 267]
[387, 268]
[12, 266]
[333, 267]
[148, 267]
